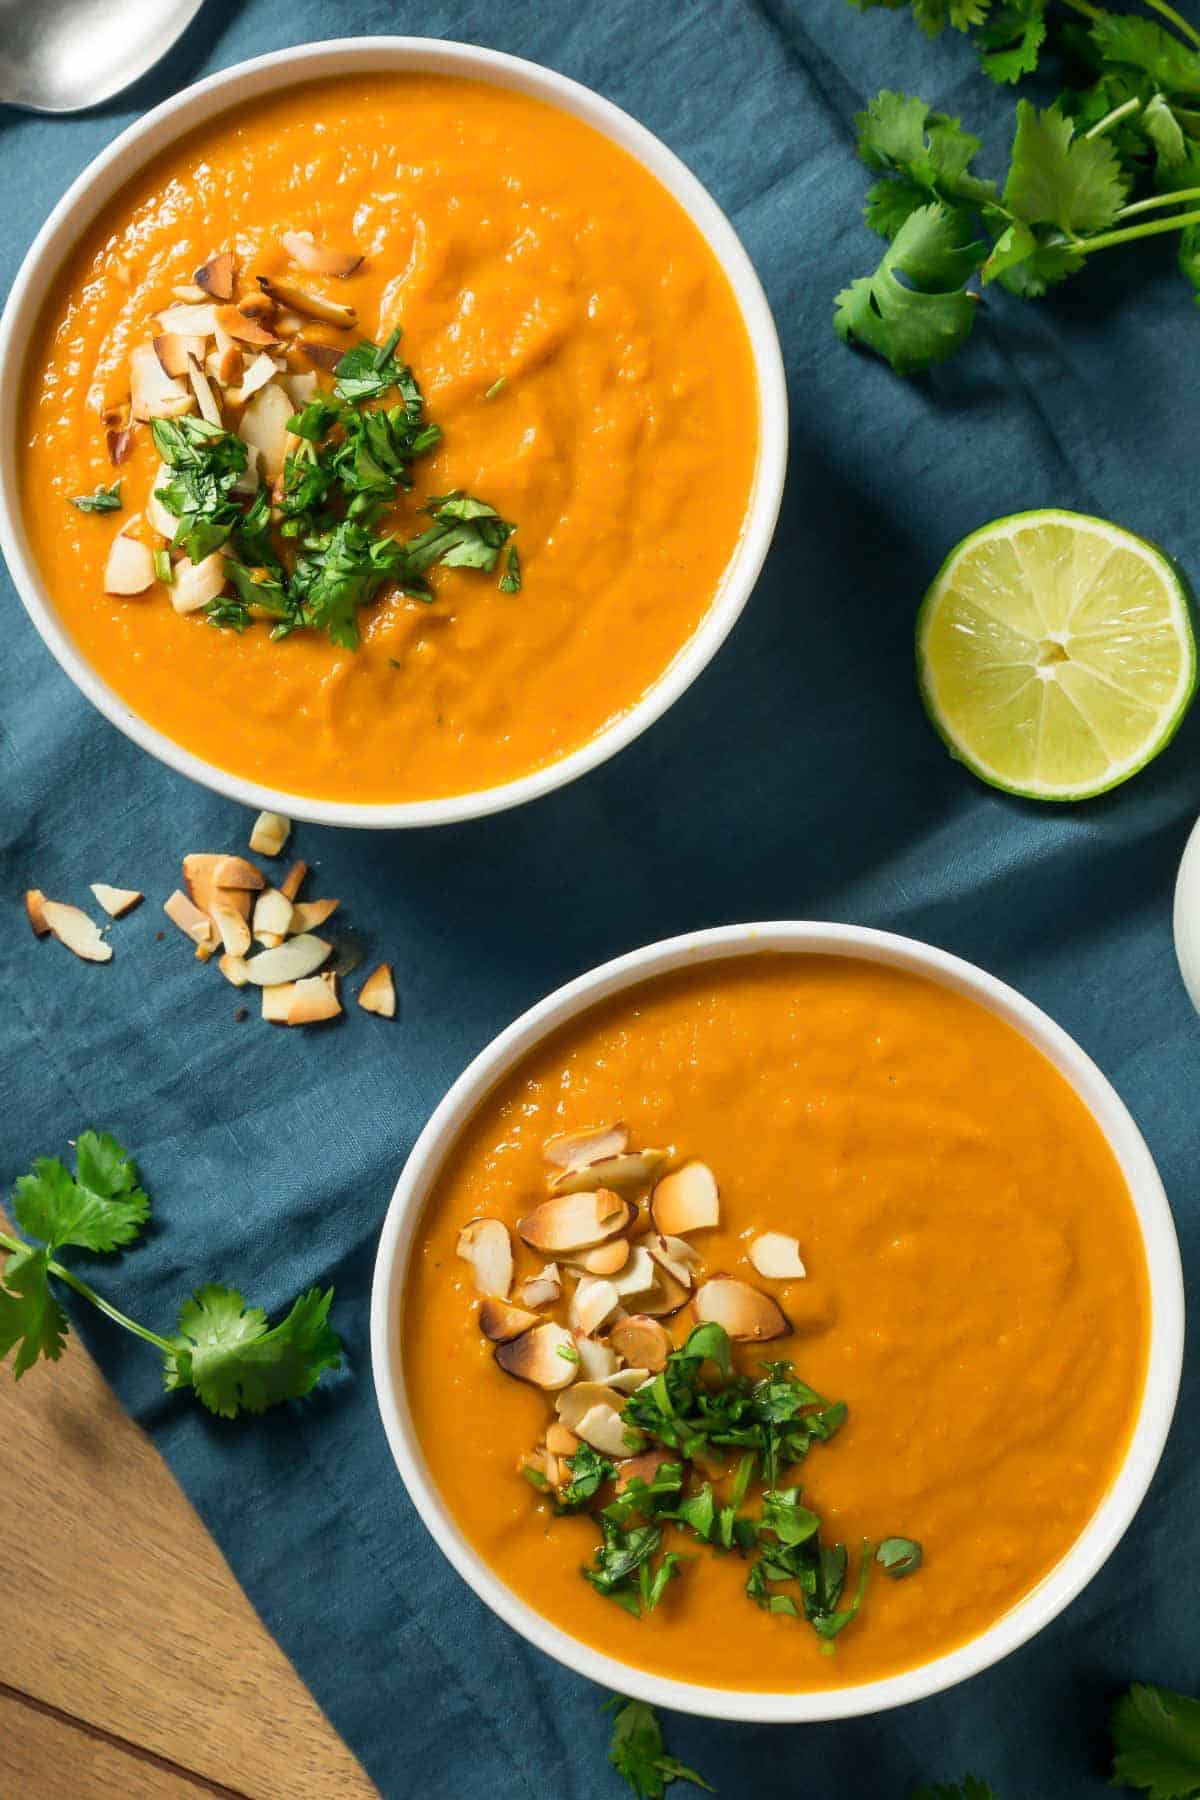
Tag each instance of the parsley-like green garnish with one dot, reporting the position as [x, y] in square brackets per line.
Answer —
[1156, 1737]
[1113, 160]
[638, 1753]
[224, 1350]
[899, 1556]
[497, 387]
[101, 500]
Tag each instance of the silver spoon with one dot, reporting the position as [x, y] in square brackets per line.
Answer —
[60, 56]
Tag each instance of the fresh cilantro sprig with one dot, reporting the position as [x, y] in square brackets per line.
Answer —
[1114, 160]
[223, 1350]
[1156, 1737]
[101, 500]
[638, 1752]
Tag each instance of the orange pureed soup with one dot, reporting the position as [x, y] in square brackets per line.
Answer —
[514, 245]
[976, 1292]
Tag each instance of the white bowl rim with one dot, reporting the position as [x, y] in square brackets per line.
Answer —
[163, 125]
[1099, 1537]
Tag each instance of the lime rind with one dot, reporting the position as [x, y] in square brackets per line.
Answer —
[1011, 603]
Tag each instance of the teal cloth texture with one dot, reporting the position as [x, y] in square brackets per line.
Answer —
[798, 778]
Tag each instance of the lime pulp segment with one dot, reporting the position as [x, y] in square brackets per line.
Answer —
[1055, 654]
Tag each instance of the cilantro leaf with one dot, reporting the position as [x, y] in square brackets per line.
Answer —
[1174, 67]
[30, 1316]
[368, 370]
[899, 1556]
[235, 1362]
[1156, 1735]
[638, 1753]
[1011, 40]
[101, 500]
[467, 534]
[1165, 132]
[100, 1209]
[1057, 178]
[899, 134]
[913, 310]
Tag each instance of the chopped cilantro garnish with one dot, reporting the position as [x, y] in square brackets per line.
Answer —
[101, 500]
[1156, 1736]
[638, 1753]
[899, 1556]
[497, 387]
[369, 370]
[162, 567]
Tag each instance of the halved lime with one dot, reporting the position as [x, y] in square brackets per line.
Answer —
[1055, 654]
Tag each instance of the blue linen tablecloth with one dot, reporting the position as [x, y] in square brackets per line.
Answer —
[798, 778]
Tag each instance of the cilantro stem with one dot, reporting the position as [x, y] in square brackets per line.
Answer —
[1152, 228]
[1176, 19]
[1156, 200]
[1095, 13]
[1112, 118]
[89, 1293]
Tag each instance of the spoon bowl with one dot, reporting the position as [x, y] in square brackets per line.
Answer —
[66, 55]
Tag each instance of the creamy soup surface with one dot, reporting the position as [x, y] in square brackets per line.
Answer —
[514, 245]
[976, 1292]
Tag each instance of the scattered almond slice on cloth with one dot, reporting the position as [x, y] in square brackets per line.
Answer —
[35, 901]
[116, 901]
[74, 929]
[378, 992]
[270, 833]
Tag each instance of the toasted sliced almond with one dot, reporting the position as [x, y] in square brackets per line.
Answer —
[502, 1322]
[199, 320]
[642, 1341]
[325, 356]
[560, 1441]
[261, 370]
[153, 393]
[227, 365]
[183, 912]
[130, 566]
[116, 901]
[259, 307]
[540, 1290]
[206, 400]
[644, 1467]
[174, 350]
[164, 522]
[576, 1149]
[777, 1256]
[270, 940]
[291, 883]
[74, 929]
[592, 1302]
[200, 877]
[663, 1251]
[236, 325]
[35, 902]
[264, 427]
[273, 913]
[237, 872]
[188, 290]
[486, 1245]
[630, 1169]
[118, 440]
[575, 1221]
[292, 961]
[277, 1001]
[580, 1399]
[308, 914]
[312, 306]
[232, 929]
[545, 1357]
[686, 1200]
[302, 388]
[665, 1297]
[318, 259]
[234, 971]
[628, 1381]
[271, 832]
[215, 277]
[638, 1276]
[378, 992]
[605, 1259]
[596, 1361]
[745, 1313]
[314, 999]
[197, 584]
[604, 1429]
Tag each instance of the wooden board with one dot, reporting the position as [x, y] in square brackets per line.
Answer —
[112, 1599]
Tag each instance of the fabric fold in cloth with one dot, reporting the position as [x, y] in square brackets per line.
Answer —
[797, 778]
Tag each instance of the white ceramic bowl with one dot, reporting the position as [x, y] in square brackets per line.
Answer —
[1187, 916]
[1117, 1508]
[374, 56]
